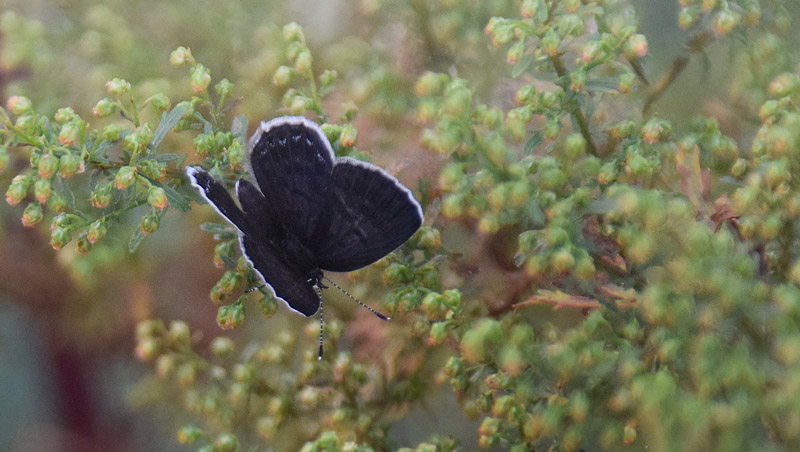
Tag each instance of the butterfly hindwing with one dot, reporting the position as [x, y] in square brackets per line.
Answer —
[287, 285]
[368, 214]
[291, 160]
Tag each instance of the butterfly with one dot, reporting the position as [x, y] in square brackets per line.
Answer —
[311, 211]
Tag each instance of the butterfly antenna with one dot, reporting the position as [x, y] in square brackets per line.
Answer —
[381, 316]
[253, 289]
[321, 323]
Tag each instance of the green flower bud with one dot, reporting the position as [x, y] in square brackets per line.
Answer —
[112, 132]
[47, 166]
[97, 230]
[635, 47]
[200, 79]
[19, 105]
[429, 238]
[430, 84]
[268, 305]
[149, 223]
[147, 349]
[187, 374]
[138, 140]
[57, 203]
[32, 214]
[42, 190]
[18, 188]
[303, 62]
[157, 198]
[656, 130]
[515, 52]
[222, 346]
[230, 316]
[396, 273]
[152, 169]
[125, 177]
[228, 283]
[327, 78]
[226, 443]
[181, 56]
[725, 21]
[117, 87]
[69, 164]
[64, 115]
[348, 136]
[550, 43]
[82, 245]
[477, 341]
[188, 434]
[293, 33]
[562, 260]
[223, 88]
[165, 365]
[784, 85]
[236, 155]
[59, 237]
[159, 101]
[104, 107]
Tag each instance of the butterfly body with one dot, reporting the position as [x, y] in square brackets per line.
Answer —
[310, 211]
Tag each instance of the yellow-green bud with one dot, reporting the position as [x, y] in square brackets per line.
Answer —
[42, 190]
[64, 115]
[200, 78]
[104, 107]
[18, 188]
[100, 197]
[69, 164]
[181, 56]
[149, 223]
[157, 198]
[47, 166]
[19, 105]
[125, 177]
[230, 316]
[97, 230]
[32, 214]
[348, 136]
[117, 87]
[159, 101]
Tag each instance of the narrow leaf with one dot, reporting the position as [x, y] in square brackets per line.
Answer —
[239, 129]
[522, 65]
[168, 121]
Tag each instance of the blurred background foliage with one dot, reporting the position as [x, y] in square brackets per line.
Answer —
[609, 259]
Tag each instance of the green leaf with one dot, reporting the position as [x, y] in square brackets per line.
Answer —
[136, 240]
[223, 231]
[522, 65]
[541, 11]
[604, 84]
[168, 157]
[533, 142]
[239, 129]
[168, 121]
[63, 190]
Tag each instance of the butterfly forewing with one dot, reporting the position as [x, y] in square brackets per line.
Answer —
[368, 214]
[292, 160]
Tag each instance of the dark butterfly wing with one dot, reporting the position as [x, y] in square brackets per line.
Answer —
[288, 286]
[216, 195]
[257, 228]
[367, 215]
[292, 160]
